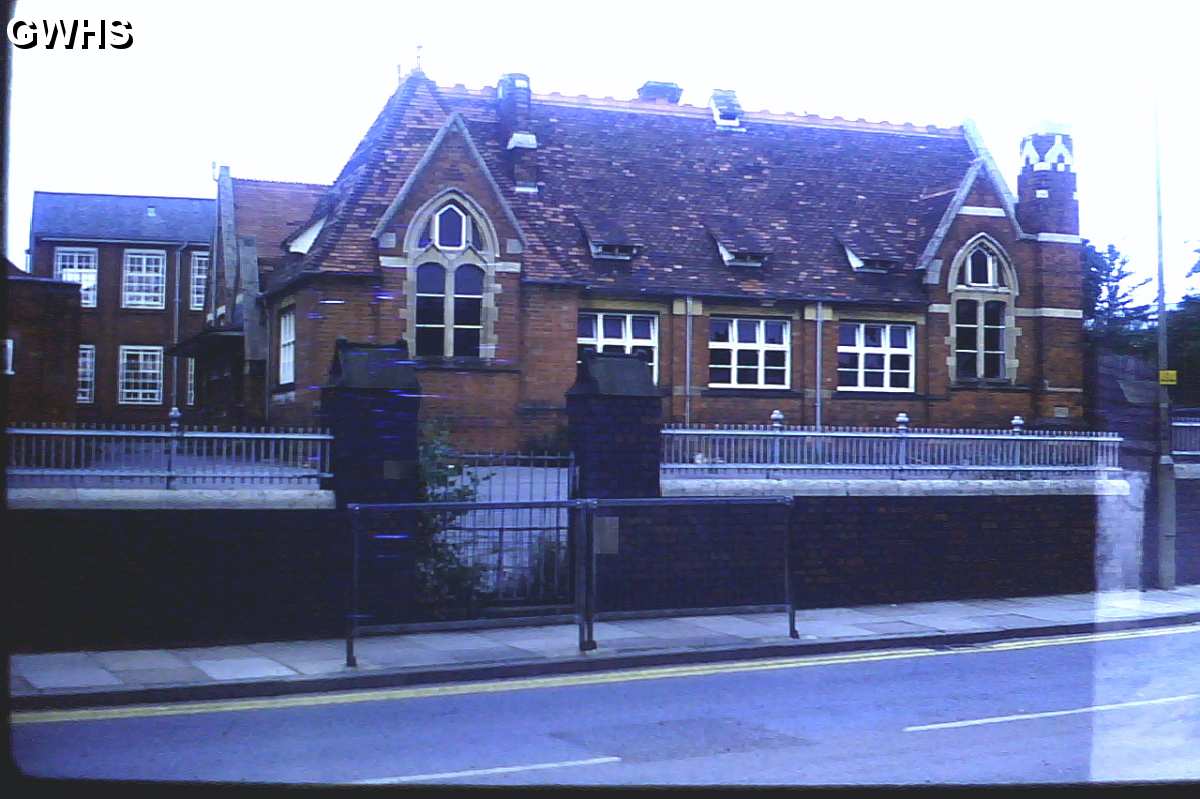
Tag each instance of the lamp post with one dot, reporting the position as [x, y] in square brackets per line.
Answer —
[1166, 466]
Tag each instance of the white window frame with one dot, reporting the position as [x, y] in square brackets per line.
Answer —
[88, 291]
[85, 381]
[758, 345]
[139, 298]
[451, 312]
[979, 323]
[465, 220]
[128, 394]
[191, 381]
[626, 342]
[885, 349]
[8, 357]
[287, 346]
[197, 299]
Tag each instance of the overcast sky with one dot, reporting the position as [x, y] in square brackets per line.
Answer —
[284, 90]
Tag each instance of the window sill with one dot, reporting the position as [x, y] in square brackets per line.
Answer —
[851, 394]
[750, 392]
[462, 365]
[984, 385]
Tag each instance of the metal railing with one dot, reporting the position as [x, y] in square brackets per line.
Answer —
[520, 551]
[1185, 437]
[385, 531]
[160, 456]
[780, 450]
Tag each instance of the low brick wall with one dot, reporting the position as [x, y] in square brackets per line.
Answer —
[130, 578]
[850, 551]
[867, 550]
[1187, 531]
[694, 557]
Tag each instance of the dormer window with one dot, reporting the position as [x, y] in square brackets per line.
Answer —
[867, 264]
[613, 252]
[741, 257]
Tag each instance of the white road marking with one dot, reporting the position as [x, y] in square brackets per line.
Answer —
[1051, 713]
[445, 775]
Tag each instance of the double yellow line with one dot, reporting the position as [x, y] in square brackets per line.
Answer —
[594, 678]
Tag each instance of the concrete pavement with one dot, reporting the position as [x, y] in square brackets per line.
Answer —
[77, 679]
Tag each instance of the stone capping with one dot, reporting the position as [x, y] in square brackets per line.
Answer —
[866, 487]
[169, 499]
[1187, 471]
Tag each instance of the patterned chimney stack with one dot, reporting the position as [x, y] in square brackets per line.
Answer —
[513, 95]
[1046, 186]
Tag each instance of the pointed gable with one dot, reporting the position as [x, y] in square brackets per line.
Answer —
[450, 161]
[368, 182]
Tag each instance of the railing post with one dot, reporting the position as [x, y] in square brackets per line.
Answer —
[352, 615]
[777, 425]
[176, 437]
[585, 574]
[902, 429]
[1018, 427]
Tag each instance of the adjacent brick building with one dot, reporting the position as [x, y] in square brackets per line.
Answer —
[142, 264]
[845, 269]
[41, 347]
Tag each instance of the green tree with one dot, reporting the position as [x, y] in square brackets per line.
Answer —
[1111, 316]
[444, 580]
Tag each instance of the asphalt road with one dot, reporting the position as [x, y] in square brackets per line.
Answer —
[1115, 707]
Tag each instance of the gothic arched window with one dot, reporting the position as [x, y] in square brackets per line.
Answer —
[451, 244]
[982, 317]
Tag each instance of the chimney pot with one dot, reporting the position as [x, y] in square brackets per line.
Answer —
[653, 91]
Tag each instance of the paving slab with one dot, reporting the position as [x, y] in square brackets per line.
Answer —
[448, 642]
[301, 650]
[809, 630]
[140, 659]
[732, 625]
[159, 676]
[1006, 621]
[242, 668]
[896, 628]
[192, 654]
[70, 677]
[492, 654]
[667, 629]
[319, 667]
[25, 664]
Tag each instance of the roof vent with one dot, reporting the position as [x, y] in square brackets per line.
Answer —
[151, 210]
[654, 91]
[608, 240]
[726, 110]
[613, 252]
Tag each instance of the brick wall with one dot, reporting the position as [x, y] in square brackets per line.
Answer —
[850, 551]
[43, 322]
[1187, 531]
[100, 579]
[108, 326]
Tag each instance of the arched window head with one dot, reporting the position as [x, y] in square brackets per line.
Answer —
[983, 268]
[451, 225]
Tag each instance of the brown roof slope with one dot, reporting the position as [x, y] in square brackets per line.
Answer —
[798, 185]
[271, 211]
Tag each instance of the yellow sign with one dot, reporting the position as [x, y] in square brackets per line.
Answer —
[1168, 377]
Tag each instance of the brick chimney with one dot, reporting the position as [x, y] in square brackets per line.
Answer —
[513, 97]
[654, 91]
[1046, 200]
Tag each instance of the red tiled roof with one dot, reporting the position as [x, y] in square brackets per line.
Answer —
[669, 179]
[271, 211]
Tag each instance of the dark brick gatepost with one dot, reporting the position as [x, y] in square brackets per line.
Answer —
[371, 405]
[614, 419]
